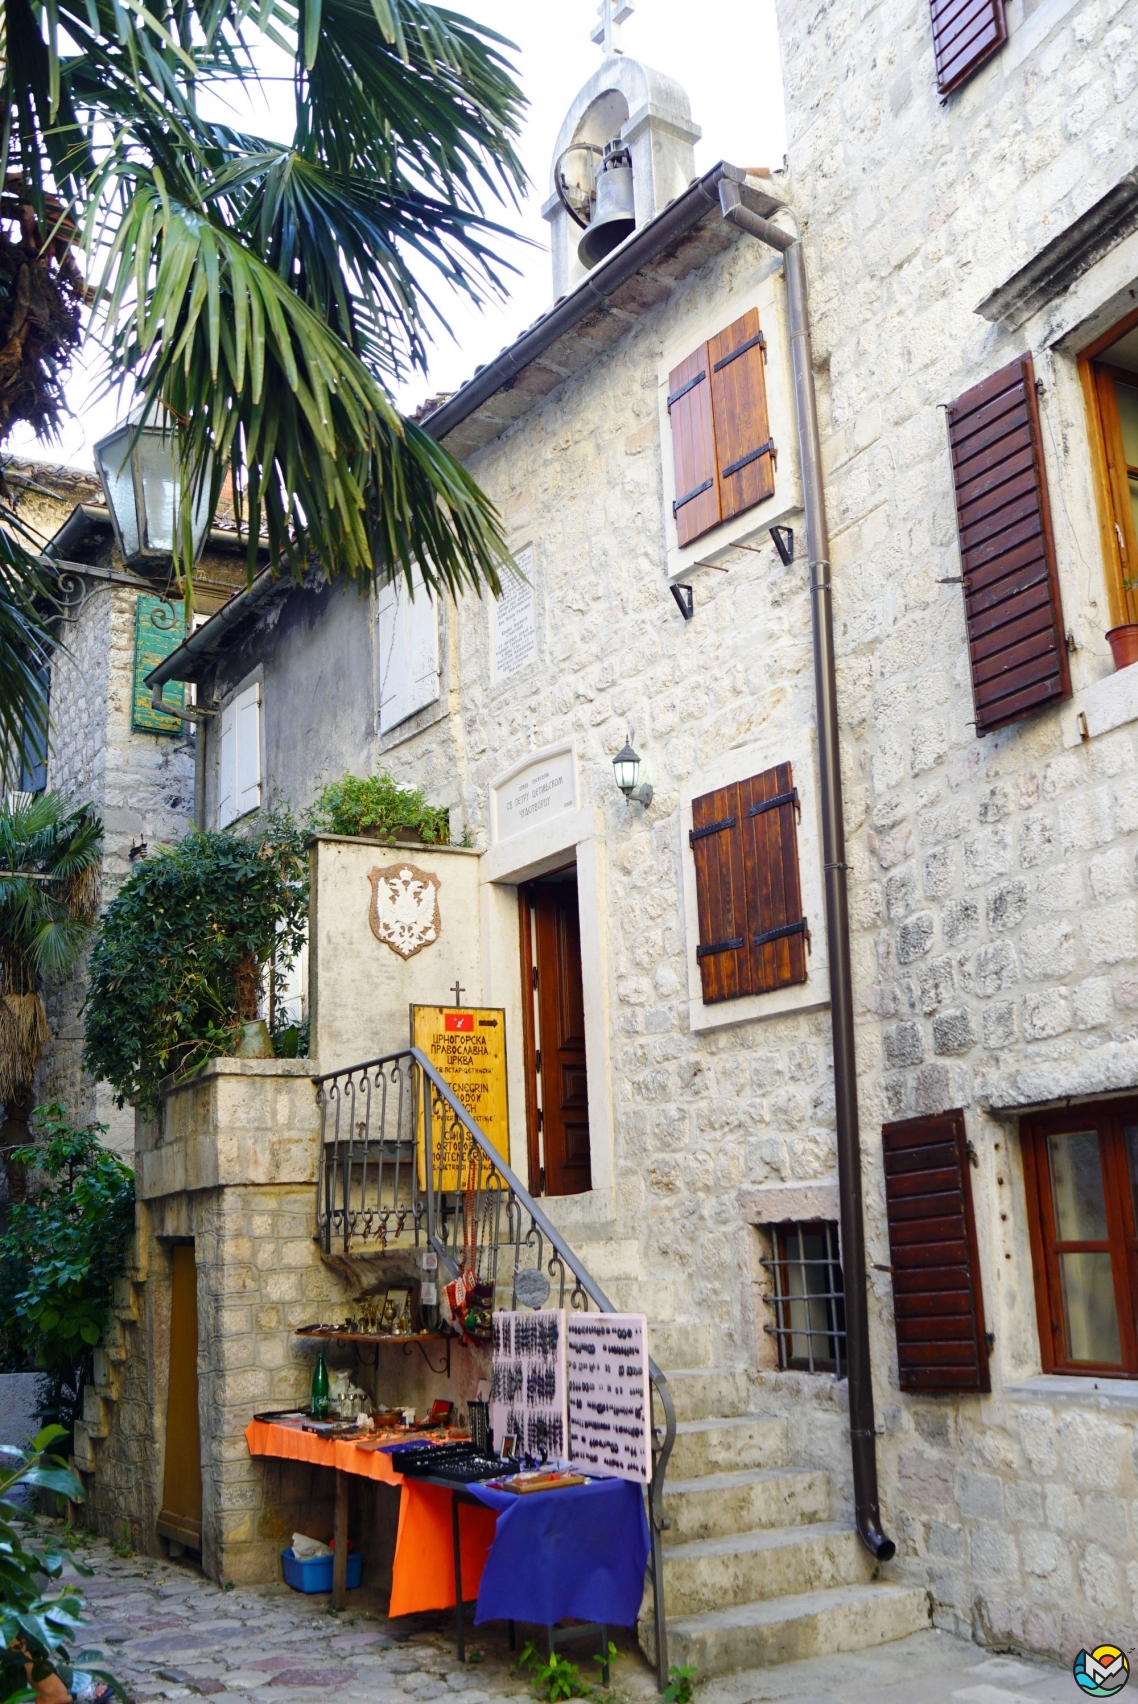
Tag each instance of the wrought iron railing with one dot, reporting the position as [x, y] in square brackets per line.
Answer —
[385, 1126]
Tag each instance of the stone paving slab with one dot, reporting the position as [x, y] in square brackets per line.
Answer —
[170, 1634]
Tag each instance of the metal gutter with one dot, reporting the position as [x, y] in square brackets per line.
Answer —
[644, 245]
[863, 1444]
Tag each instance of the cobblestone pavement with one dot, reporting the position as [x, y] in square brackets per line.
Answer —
[169, 1633]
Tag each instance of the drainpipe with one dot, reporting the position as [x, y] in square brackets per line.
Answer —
[863, 1447]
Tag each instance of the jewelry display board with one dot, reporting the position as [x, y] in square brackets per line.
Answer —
[610, 1400]
[527, 1382]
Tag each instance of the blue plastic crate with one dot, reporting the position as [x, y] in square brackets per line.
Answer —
[315, 1574]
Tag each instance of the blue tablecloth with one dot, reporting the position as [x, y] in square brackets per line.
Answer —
[579, 1553]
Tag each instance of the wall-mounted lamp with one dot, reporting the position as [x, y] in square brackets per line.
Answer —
[626, 768]
[784, 543]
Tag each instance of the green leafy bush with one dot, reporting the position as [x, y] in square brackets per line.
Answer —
[60, 1254]
[37, 1630]
[178, 963]
[377, 806]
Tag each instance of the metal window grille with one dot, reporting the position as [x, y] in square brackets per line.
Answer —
[807, 1301]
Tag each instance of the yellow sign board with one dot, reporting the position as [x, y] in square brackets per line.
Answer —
[467, 1047]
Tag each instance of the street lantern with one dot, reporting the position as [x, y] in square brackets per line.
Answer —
[139, 475]
[626, 770]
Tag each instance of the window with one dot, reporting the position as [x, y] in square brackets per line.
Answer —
[807, 1298]
[1081, 1170]
[408, 651]
[938, 1302]
[721, 444]
[1016, 641]
[1110, 381]
[966, 33]
[239, 769]
[753, 936]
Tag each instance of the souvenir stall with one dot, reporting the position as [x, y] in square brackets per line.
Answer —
[526, 1502]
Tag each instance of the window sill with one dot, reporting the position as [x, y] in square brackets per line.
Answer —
[1069, 1388]
[1106, 704]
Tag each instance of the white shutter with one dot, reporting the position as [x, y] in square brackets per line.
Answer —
[227, 768]
[248, 718]
[408, 652]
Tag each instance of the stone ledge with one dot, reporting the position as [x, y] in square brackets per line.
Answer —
[1106, 704]
[778, 1203]
[1110, 1069]
[1075, 1392]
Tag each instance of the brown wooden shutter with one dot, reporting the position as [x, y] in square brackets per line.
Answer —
[1011, 586]
[965, 34]
[752, 934]
[743, 444]
[696, 504]
[776, 928]
[717, 845]
[938, 1304]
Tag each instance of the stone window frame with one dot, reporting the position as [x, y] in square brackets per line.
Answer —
[798, 747]
[768, 294]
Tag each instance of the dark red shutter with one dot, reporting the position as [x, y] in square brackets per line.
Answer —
[1011, 587]
[776, 928]
[696, 503]
[937, 1301]
[744, 448]
[752, 934]
[965, 34]
[717, 845]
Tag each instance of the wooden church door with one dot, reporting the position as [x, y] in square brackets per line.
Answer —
[557, 1080]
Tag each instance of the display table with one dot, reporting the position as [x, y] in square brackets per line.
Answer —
[579, 1552]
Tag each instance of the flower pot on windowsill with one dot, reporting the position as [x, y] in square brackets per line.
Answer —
[1123, 642]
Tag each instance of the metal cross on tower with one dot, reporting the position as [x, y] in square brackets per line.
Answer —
[606, 34]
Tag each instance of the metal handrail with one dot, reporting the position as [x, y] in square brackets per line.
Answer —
[370, 1187]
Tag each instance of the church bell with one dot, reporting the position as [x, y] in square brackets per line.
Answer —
[614, 215]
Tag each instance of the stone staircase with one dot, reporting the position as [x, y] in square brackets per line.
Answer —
[105, 1387]
[756, 1572]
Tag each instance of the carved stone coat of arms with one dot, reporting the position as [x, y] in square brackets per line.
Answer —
[404, 908]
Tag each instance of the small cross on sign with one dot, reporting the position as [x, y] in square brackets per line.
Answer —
[458, 993]
[606, 34]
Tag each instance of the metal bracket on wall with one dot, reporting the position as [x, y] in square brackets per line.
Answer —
[685, 599]
[783, 539]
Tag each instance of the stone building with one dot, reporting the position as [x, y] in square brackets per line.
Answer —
[642, 442]
[107, 746]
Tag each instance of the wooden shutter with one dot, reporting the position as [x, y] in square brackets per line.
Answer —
[408, 644]
[696, 504]
[937, 1300]
[248, 766]
[227, 768]
[965, 34]
[744, 447]
[716, 840]
[752, 934]
[777, 933]
[1011, 588]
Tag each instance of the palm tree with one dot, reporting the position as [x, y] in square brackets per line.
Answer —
[262, 297]
[49, 896]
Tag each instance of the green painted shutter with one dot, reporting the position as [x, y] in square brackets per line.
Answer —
[159, 628]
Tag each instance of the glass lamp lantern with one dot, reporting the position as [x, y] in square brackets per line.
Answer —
[626, 769]
[139, 475]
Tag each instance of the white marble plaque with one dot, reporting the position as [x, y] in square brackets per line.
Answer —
[535, 794]
[610, 1400]
[513, 621]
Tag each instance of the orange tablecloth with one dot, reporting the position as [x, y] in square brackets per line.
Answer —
[422, 1574]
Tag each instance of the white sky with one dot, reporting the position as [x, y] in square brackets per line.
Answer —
[725, 53]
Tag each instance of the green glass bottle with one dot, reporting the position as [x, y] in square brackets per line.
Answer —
[320, 1389]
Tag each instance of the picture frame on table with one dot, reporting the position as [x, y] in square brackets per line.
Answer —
[509, 1447]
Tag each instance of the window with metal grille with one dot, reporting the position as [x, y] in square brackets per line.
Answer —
[807, 1298]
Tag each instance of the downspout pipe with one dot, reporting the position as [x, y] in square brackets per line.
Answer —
[863, 1446]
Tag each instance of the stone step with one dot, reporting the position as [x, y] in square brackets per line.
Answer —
[608, 1259]
[682, 1344]
[85, 1458]
[785, 1630]
[652, 1296]
[749, 1567]
[721, 1505]
[724, 1446]
[709, 1393]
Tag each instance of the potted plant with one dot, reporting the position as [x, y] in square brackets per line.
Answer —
[1123, 640]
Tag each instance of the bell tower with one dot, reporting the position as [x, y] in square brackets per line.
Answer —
[626, 148]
